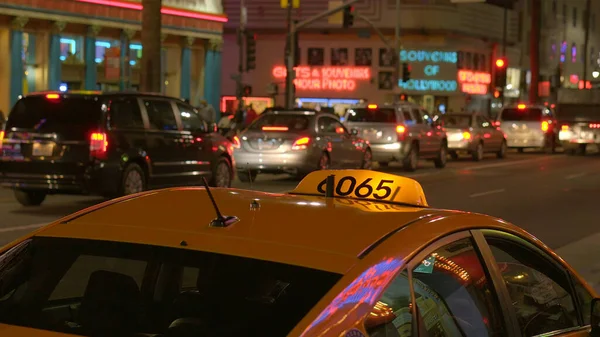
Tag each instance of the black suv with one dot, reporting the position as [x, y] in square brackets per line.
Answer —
[109, 144]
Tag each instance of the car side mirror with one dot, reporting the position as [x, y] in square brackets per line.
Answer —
[595, 317]
[354, 132]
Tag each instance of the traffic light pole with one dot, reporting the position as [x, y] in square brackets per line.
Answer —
[396, 51]
[240, 79]
[291, 48]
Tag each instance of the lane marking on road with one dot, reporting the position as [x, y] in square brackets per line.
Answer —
[21, 228]
[511, 163]
[482, 194]
[576, 175]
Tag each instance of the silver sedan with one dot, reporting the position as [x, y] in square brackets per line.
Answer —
[473, 134]
[297, 142]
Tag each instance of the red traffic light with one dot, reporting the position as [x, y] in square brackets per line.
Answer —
[500, 63]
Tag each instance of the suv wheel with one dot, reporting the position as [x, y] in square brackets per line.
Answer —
[502, 152]
[442, 157]
[367, 161]
[411, 161]
[30, 198]
[247, 176]
[221, 175]
[134, 180]
[478, 153]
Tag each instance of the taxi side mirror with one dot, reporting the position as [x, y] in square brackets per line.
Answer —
[354, 132]
[595, 317]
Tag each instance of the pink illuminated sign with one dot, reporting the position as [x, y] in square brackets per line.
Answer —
[473, 82]
[326, 78]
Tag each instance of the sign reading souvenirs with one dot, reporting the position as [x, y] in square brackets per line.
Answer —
[326, 78]
[432, 70]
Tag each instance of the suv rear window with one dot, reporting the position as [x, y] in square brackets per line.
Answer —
[528, 114]
[91, 288]
[61, 114]
[293, 122]
[379, 115]
[457, 121]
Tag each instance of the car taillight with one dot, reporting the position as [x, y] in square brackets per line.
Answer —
[1, 138]
[98, 145]
[236, 142]
[275, 128]
[496, 123]
[301, 144]
[401, 131]
[466, 135]
[594, 126]
[545, 126]
[564, 128]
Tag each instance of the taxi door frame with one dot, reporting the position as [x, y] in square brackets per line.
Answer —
[510, 322]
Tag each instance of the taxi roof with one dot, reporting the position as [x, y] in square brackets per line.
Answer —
[312, 231]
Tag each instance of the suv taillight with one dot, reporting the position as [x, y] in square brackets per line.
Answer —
[1, 138]
[301, 144]
[98, 145]
[401, 132]
[545, 126]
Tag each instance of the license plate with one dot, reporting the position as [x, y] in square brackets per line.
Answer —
[42, 150]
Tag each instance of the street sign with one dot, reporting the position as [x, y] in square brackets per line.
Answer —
[286, 3]
[337, 18]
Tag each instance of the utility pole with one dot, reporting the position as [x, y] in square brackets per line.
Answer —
[586, 22]
[150, 74]
[396, 50]
[239, 79]
[290, 52]
[534, 51]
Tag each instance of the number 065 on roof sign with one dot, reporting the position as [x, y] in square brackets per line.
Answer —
[364, 184]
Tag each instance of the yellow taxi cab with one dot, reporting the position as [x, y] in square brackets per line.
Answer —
[350, 253]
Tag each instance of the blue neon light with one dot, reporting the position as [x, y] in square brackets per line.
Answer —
[98, 60]
[135, 46]
[344, 101]
[428, 85]
[327, 101]
[72, 43]
[103, 44]
[428, 56]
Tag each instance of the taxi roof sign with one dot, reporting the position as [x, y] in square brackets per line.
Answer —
[364, 184]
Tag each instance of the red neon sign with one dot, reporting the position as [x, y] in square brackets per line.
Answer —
[474, 83]
[167, 11]
[326, 78]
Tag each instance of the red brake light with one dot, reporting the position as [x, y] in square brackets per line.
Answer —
[466, 135]
[496, 123]
[98, 145]
[236, 142]
[594, 126]
[275, 128]
[401, 131]
[372, 106]
[1, 138]
[545, 126]
[52, 96]
[301, 144]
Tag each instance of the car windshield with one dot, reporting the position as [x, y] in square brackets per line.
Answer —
[378, 115]
[65, 115]
[457, 121]
[522, 115]
[92, 288]
[291, 122]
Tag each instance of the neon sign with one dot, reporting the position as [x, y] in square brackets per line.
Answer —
[364, 289]
[326, 78]
[475, 83]
[428, 85]
[433, 70]
[429, 56]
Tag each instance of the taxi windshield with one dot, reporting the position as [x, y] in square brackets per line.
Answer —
[91, 288]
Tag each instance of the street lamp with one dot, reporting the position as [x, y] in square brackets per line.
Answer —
[595, 73]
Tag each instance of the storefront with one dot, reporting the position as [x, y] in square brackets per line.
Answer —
[96, 45]
[337, 72]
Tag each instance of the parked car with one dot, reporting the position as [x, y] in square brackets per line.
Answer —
[297, 142]
[109, 144]
[473, 134]
[529, 126]
[403, 132]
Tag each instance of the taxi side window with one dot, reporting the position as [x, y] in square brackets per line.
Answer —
[392, 314]
[539, 289]
[454, 295]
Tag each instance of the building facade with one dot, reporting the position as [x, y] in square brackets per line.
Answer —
[449, 47]
[95, 45]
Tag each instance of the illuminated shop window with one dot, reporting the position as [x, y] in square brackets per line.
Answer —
[563, 51]
[573, 53]
[135, 54]
[101, 50]
[71, 49]
[135, 51]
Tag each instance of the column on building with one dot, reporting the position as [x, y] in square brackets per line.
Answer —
[163, 63]
[212, 74]
[30, 77]
[54, 62]
[91, 67]
[125, 41]
[17, 66]
[185, 85]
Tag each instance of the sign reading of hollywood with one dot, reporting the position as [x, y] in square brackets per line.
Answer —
[326, 78]
[473, 82]
[432, 70]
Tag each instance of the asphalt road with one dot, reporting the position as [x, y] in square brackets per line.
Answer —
[555, 197]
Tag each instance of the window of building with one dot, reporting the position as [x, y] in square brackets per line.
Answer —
[539, 289]
[573, 52]
[593, 22]
[592, 60]
[71, 49]
[563, 51]
[574, 16]
[564, 13]
[554, 9]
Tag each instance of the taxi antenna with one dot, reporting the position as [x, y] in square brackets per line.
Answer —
[329, 183]
[220, 220]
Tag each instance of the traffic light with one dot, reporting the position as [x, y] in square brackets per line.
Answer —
[250, 51]
[500, 73]
[348, 17]
[405, 72]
